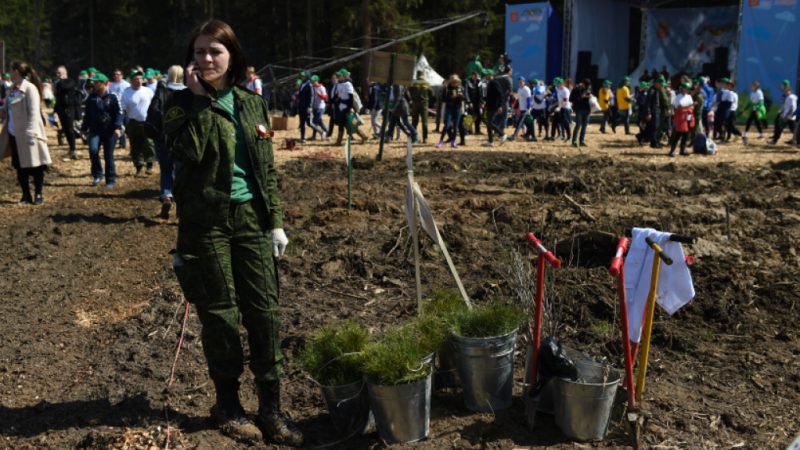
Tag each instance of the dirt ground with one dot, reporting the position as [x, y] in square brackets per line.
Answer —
[91, 309]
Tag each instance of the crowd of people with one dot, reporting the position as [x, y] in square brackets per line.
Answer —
[669, 111]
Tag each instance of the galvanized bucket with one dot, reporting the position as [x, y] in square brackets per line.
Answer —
[587, 367]
[402, 412]
[486, 369]
[348, 406]
[583, 407]
[446, 375]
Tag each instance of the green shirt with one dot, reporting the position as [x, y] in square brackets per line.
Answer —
[242, 183]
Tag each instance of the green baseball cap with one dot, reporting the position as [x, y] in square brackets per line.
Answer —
[149, 73]
[607, 83]
[644, 84]
[135, 73]
[314, 78]
[786, 83]
[687, 86]
[6, 75]
[488, 72]
[304, 74]
[83, 72]
[724, 80]
[92, 69]
[99, 76]
[627, 79]
[659, 80]
[557, 81]
[298, 82]
[343, 71]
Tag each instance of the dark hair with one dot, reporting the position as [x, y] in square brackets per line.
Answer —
[27, 72]
[222, 32]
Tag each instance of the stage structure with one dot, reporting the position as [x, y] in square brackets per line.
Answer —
[526, 39]
[746, 40]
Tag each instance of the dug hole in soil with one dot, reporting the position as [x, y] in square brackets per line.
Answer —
[91, 309]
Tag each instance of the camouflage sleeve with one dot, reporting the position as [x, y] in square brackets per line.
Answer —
[187, 123]
[271, 178]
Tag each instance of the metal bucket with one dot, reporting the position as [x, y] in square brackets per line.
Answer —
[446, 375]
[588, 368]
[402, 412]
[583, 407]
[348, 406]
[486, 369]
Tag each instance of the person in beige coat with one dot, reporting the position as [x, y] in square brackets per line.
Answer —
[23, 135]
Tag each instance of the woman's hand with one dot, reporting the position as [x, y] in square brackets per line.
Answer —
[193, 80]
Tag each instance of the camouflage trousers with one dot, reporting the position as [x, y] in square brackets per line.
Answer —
[228, 272]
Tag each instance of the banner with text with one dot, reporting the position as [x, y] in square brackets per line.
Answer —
[526, 39]
[769, 45]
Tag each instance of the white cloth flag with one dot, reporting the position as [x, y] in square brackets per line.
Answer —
[426, 216]
[675, 287]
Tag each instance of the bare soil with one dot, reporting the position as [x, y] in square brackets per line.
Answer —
[91, 309]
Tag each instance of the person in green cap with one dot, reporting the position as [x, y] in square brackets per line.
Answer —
[655, 117]
[102, 124]
[318, 104]
[605, 98]
[786, 116]
[305, 98]
[699, 98]
[83, 83]
[474, 66]
[135, 102]
[150, 80]
[625, 102]
[230, 232]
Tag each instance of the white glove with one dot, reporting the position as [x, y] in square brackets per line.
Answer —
[279, 242]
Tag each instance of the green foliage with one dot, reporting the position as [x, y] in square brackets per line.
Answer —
[494, 319]
[396, 358]
[109, 34]
[332, 357]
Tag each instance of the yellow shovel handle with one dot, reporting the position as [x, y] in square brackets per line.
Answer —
[648, 325]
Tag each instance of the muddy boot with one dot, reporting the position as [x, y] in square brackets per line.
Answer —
[230, 416]
[279, 430]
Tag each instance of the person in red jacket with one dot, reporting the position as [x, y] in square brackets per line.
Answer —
[683, 119]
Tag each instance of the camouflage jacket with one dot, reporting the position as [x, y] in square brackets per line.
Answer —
[202, 137]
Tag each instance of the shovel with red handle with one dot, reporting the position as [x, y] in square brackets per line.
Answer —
[545, 256]
[617, 270]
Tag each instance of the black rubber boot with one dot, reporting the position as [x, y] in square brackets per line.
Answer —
[279, 430]
[230, 416]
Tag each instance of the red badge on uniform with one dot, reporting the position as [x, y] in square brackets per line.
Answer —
[263, 132]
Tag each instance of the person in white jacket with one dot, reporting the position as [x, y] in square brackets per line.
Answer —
[785, 118]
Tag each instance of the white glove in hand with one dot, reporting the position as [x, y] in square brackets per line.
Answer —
[279, 242]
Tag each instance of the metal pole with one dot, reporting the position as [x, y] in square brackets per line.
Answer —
[413, 228]
[3, 50]
[386, 106]
[392, 42]
[349, 175]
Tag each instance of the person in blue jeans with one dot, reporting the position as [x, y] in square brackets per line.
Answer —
[102, 122]
[580, 98]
